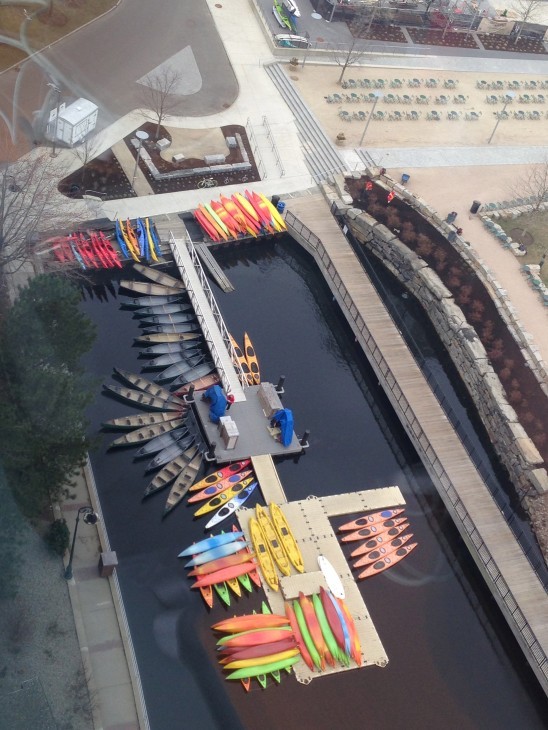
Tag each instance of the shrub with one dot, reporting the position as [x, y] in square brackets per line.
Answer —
[57, 537]
[393, 219]
[424, 245]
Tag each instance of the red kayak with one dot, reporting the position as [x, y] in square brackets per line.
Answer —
[109, 250]
[214, 565]
[380, 540]
[216, 489]
[373, 555]
[388, 561]
[254, 637]
[251, 621]
[372, 519]
[220, 576]
[259, 650]
[369, 532]
[218, 476]
[206, 225]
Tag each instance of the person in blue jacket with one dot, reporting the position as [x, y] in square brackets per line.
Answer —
[217, 399]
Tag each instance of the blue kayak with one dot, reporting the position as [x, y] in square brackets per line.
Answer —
[231, 507]
[219, 552]
[209, 543]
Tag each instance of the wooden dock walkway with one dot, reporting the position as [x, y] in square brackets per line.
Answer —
[309, 522]
[514, 584]
[215, 270]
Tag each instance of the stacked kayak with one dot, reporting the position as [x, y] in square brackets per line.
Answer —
[245, 361]
[274, 544]
[138, 239]
[92, 252]
[223, 492]
[239, 216]
[384, 542]
[221, 562]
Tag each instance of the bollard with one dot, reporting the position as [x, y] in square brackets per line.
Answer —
[304, 439]
[280, 387]
[189, 397]
[210, 455]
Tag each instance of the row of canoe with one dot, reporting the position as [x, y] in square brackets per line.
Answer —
[383, 542]
[251, 214]
[138, 240]
[92, 252]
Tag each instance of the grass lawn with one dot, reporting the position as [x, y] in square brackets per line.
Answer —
[64, 17]
[532, 229]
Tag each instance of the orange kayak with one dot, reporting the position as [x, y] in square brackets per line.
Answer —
[374, 543]
[373, 555]
[255, 636]
[220, 576]
[290, 613]
[251, 621]
[355, 645]
[214, 565]
[259, 650]
[236, 212]
[253, 574]
[315, 629]
[372, 519]
[388, 561]
[233, 226]
[262, 212]
[218, 476]
[207, 215]
[216, 489]
[368, 532]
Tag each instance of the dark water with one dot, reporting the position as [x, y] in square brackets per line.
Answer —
[453, 661]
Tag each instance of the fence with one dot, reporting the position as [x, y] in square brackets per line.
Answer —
[274, 146]
[425, 449]
[255, 149]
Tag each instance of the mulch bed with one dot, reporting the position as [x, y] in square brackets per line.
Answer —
[380, 32]
[494, 42]
[520, 386]
[103, 175]
[433, 37]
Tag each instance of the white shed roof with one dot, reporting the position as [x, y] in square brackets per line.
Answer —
[78, 110]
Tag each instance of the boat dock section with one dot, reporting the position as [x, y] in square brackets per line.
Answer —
[268, 479]
[501, 560]
[309, 522]
[213, 267]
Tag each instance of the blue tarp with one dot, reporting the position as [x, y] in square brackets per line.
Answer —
[284, 419]
[218, 402]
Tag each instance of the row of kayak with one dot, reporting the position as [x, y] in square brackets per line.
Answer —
[246, 361]
[92, 252]
[227, 219]
[138, 240]
[383, 542]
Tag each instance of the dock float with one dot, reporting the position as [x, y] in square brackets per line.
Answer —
[208, 260]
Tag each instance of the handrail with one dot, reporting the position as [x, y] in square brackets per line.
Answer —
[423, 445]
[255, 149]
[274, 146]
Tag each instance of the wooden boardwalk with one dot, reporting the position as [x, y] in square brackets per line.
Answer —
[501, 560]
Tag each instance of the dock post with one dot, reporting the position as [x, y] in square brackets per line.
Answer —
[210, 455]
[189, 397]
[304, 439]
[280, 387]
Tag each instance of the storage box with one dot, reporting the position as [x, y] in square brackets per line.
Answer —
[229, 433]
[269, 399]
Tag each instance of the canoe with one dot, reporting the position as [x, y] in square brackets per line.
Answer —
[332, 578]
[215, 489]
[143, 399]
[271, 536]
[214, 565]
[254, 637]
[200, 371]
[147, 386]
[231, 507]
[155, 310]
[140, 420]
[250, 622]
[377, 541]
[159, 277]
[219, 551]
[373, 555]
[252, 360]
[387, 562]
[199, 383]
[172, 358]
[261, 661]
[262, 553]
[356, 650]
[218, 476]
[208, 543]
[158, 337]
[287, 539]
[146, 433]
[170, 452]
[171, 348]
[263, 668]
[170, 471]
[176, 329]
[178, 318]
[305, 654]
[315, 630]
[223, 498]
[180, 369]
[240, 361]
[254, 574]
[153, 301]
[225, 574]
[337, 621]
[327, 634]
[259, 650]
[182, 483]
[162, 441]
[378, 529]
[148, 288]
[319, 663]
[372, 519]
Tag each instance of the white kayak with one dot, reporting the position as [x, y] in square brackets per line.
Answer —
[332, 578]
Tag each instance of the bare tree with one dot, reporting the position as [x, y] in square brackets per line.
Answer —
[527, 11]
[360, 28]
[159, 94]
[29, 204]
[533, 184]
[85, 152]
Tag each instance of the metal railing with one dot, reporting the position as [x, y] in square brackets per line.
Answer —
[217, 316]
[424, 447]
[119, 606]
[274, 146]
[255, 149]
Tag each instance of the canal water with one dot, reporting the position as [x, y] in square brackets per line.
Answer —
[453, 661]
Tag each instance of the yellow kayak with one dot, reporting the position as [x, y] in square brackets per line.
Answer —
[287, 539]
[276, 217]
[257, 661]
[223, 497]
[262, 553]
[276, 549]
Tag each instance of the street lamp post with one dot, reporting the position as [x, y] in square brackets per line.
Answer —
[377, 97]
[509, 96]
[335, 3]
[141, 136]
[58, 90]
[90, 518]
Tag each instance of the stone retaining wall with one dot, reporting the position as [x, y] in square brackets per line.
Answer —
[515, 449]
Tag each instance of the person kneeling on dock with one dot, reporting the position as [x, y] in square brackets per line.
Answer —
[217, 398]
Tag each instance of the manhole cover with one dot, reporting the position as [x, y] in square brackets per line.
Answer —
[316, 16]
[520, 235]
